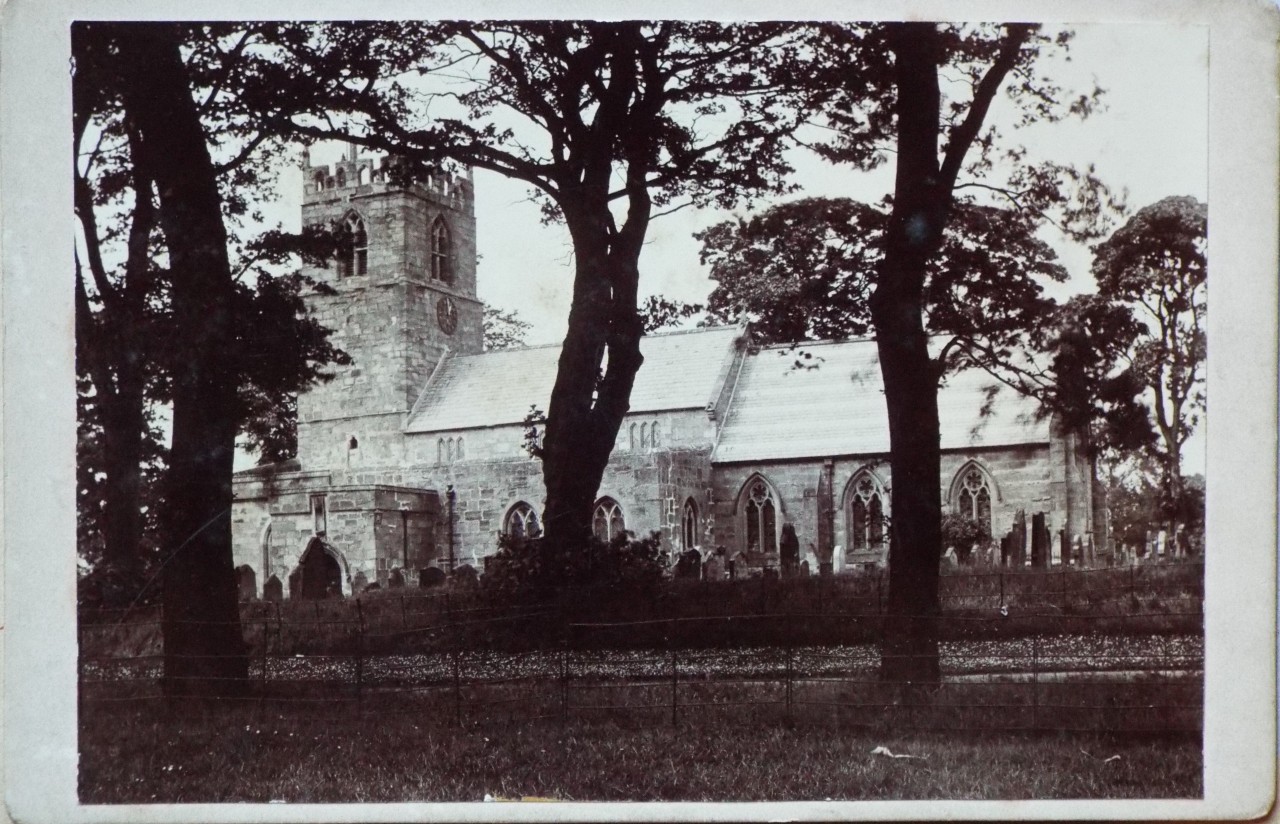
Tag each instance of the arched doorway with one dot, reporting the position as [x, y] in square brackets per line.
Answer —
[319, 573]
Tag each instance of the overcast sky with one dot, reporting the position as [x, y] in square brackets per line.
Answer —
[1151, 139]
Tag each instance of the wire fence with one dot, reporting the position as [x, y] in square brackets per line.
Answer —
[803, 655]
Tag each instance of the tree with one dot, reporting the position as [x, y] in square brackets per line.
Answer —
[805, 270]
[1155, 265]
[124, 318]
[606, 121]
[503, 329]
[892, 96]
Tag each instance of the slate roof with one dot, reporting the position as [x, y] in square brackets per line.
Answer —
[680, 371]
[779, 412]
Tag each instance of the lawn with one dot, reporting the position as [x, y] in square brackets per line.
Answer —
[336, 752]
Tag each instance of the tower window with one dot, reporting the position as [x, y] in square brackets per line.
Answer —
[353, 254]
[689, 525]
[441, 252]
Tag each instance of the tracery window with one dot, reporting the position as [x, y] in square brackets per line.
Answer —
[865, 513]
[761, 514]
[521, 521]
[353, 259]
[973, 500]
[607, 522]
[689, 525]
[441, 251]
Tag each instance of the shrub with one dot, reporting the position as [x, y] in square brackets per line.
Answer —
[537, 567]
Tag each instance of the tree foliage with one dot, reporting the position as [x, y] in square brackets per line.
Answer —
[610, 123]
[1155, 266]
[128, 338]
[503, 329]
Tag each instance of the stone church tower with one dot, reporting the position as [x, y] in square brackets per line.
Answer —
[404, 296]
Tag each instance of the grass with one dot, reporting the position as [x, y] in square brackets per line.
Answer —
[392, 752]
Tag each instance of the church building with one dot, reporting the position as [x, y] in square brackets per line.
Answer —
[412, 456]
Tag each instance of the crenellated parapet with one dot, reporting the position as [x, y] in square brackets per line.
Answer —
[368, 175]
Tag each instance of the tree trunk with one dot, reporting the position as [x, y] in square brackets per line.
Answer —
[124, 426]
[909, 651]
[204, 652]
[587, 405]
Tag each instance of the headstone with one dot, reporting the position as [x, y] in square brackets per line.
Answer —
[804, 568]
[789, 550]
[738, 565]
[464, 576]
[1078, 551]
[949, 558]
[396, 579]
[359, 583]
[1019, 536]
[837, 559]
[713, 568]
[295, 583]
[1039, 541]
[1061, 549]
[246, 583]
[689, 566]
[273, 590]
[432, 576]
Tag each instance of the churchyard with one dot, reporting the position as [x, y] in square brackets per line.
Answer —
[1048, 674]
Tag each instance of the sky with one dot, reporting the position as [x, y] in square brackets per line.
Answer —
[1151, 139]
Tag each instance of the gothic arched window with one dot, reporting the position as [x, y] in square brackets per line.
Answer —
[760, 513]
[864, 513]
[633, 437]
[689, 525]
[461, 454]
[644, 436]
[653, 434]
[972, 497]
[353, 256]
[521, 521]
[607, 522]
[441, 251]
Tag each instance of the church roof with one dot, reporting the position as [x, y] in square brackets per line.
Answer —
[779, 411]
[680, 371]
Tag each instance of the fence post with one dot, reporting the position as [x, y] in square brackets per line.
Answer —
[564, 676]
[457, 688]
[404, 618]
[671, 643]
[359, 650]
[789, 671]
[1063, 573]
[1035, 679]
[262, 681]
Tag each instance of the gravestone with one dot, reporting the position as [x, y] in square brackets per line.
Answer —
[1019, 542]
[689, 566]
[837, 559]
[246, 583]
[1039, 541]
[295, 583]
[804, 568]
[432, 576]
[273, 590]
[396, 579]
[464, 576]
[359, 583]
[713, 569]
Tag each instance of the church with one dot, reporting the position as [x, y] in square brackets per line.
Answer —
[413, 457]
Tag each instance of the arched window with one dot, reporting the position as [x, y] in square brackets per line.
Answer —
[864, 512]
[760, 513]
[440, 451]
[521, 521]
[971, 496]
[441, 251]
[353, 259]
[448, 450]
[607, 523]
[644, 436]
[342, 177]
[653, 434]
[318, 180]
[689, 525]
[365, 175]
[633, 437]
[461, 455]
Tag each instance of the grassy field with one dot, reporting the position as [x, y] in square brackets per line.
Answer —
[336, 753]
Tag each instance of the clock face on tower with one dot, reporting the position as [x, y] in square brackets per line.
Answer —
[447, 315]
